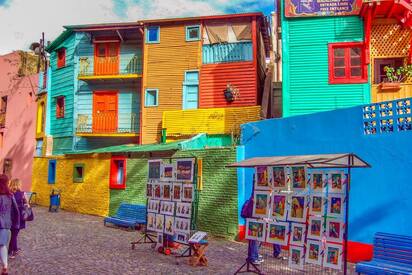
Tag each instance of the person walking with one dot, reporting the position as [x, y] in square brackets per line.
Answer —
[9, 218]
[21, 201]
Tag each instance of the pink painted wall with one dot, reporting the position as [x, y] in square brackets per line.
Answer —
[19, 131]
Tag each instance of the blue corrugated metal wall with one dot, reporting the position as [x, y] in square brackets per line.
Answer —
[306, 87]
[230, 52]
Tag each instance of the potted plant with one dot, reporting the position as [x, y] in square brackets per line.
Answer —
[395, 77]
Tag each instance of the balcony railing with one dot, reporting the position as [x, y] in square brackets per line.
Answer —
[112, 66]
[224, 53]
[107, 123]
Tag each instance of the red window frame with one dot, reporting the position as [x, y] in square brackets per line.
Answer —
[60, 106]
[347, 78]
[114, 184]
[61, 58]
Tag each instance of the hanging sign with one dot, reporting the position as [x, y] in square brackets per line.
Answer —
[302, 8]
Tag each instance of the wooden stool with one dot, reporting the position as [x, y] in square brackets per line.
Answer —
[198, 257]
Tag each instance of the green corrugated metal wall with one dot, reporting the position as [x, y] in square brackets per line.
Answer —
[305, 64]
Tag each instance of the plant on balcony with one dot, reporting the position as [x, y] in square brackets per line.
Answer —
[231, 93]
[395, 76]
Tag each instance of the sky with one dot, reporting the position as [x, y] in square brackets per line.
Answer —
[23, 21]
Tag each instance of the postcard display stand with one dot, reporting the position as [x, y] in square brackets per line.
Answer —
[172, 202]
[304, 210]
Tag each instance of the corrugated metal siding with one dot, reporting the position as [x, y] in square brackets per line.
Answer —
[63, 85]
[209, 121]
[230, 52]
[91, 143]
[305, 64]
[215, 77]
[62, 145]
[164, 68]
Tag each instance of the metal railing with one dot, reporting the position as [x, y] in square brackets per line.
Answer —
[90, 66]
[107, 123]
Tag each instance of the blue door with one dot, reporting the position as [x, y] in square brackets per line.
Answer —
[191, 90]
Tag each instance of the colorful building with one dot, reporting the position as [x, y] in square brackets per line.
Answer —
[18, 88]
[341, 63]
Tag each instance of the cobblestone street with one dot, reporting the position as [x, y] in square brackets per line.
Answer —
[70, 243]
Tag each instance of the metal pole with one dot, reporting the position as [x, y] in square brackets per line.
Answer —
[345, 250]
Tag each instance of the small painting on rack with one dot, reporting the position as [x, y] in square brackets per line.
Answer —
[184, 169]
[317, 205]
[333, 256]
[154, 169]
[168, 172]
[151, 221]
[278, 208]
[314, 252]
[182, 225]
[278, 178]
[296, 257]
[153, 206]
[334, 230]
[297, 211]
[160, 222]
[167, 208]
[184, 209]
[261, 178]
[149, 190]
[315, 228]
[261, 204]
[157, 190]
[188, 193]
[317, 181]
[169, 225]
[337, 181]
[255, 230]
[278, 233]
[298, 232]
[177, 191]
[299, 178]
[336, 205]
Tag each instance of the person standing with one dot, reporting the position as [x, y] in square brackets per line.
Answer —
[9, 218]
[21, 201]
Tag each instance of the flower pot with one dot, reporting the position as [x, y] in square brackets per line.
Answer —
[229, 96]
[385, 86]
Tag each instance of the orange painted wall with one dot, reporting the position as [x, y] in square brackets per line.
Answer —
[214, 78]
[164, 66]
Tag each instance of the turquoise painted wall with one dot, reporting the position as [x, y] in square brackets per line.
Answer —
[230, 52]
[305, 64]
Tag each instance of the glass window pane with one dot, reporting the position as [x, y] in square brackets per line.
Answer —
[339, 72]
[193, 32]
[153, 35]
[339, 52]
[339, 62]
[356, 71]
[120, 175]
[355, 51]
[355, 61]
[151, 98]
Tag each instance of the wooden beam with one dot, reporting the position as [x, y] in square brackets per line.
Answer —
[120, 36]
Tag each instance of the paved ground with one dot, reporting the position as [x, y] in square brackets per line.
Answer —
[69, 243]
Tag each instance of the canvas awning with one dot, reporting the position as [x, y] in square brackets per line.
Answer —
[348, 160]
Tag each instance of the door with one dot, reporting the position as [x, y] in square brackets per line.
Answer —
[106, 58]
[105, 112]
[191, 90]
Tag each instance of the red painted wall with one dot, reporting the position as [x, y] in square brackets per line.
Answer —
[215, 77]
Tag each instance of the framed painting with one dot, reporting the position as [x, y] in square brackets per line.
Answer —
[261, 205]
[184, 209]
[278, 208]
[334, 230]
[182, 225]
[336, 182]
[336, 205]
[315, 228]
[153, 206]
[296, 257]
[255, 230]
[154, 169]
[318, 182]
[167, 208]
[333, 256]
[184, 169]
[169, 225]
[167, 172]
[160, 219]
[167, 191]
[157, 191]
[317, 205]
[278, 233]
[149, 190]
[299, 178]
[262, 178]
[188, 192]
[151, 222]
[297, 234]
[278, 178]
[181, 237]
[177, 191]
[314, 252]
[297, 208]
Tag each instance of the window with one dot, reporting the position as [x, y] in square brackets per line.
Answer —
[192, 33]
[40, 118]
[39, 147]
[52, 172]
[3, 106]
[61, 58]
[379, 74]
[153, 34]
[347, 63]
[118, 173]
[60, 107]
[78, 172]
[151, 98]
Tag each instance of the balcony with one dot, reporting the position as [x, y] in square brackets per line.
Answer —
[379, 95]
[110, 68]
[108, 125]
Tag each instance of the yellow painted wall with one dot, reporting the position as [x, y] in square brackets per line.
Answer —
[41, 113]
[164, 66]
[89, 197]
[210, 121]
[378, 95]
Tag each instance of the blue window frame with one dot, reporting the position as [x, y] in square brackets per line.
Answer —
[193, 33]
[153, 34]
[52, 172]
[151, 97]
[191, 90]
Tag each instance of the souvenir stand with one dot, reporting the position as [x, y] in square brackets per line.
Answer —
[172, 199]
[301, 203]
